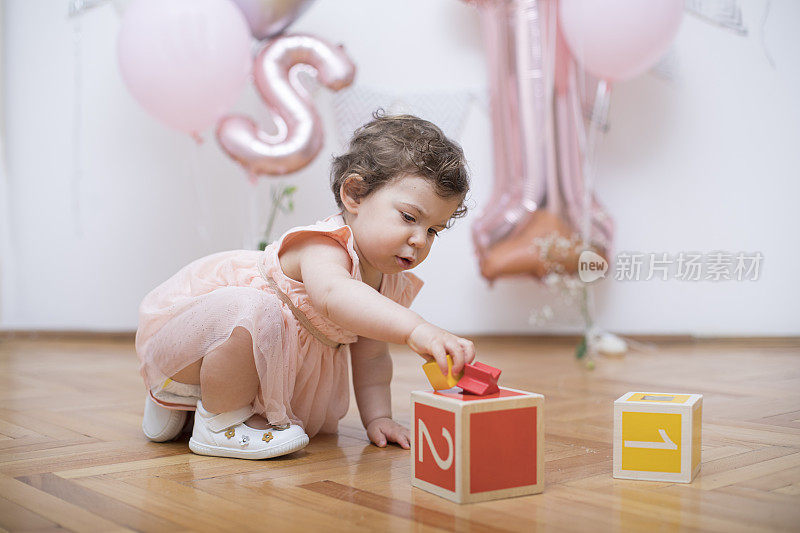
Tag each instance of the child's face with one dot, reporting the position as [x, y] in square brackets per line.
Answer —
[395, 226]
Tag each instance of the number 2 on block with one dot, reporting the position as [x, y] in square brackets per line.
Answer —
[444, 464]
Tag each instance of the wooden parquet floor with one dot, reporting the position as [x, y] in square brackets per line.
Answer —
[72, 455]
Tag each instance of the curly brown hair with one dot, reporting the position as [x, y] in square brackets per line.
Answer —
[391, 146]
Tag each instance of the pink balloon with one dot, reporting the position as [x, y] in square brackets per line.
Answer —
[184, 61]
[300, 128]
[619, 39]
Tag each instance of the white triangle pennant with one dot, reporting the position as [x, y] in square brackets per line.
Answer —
[355, 105]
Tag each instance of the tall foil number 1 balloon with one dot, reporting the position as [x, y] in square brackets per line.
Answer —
[299, 138]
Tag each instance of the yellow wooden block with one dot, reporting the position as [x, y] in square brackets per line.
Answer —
[438, 380]
[657, 436]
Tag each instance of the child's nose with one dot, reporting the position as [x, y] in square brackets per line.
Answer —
[417, 239]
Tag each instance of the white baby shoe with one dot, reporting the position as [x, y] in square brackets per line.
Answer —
[226, 435]
[160, 424]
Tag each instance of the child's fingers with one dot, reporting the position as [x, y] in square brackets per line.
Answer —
[469, 350]
[457, 351]
[439, 353]
[403, 440]
[376, 436]
[400, 435]
[381, 433]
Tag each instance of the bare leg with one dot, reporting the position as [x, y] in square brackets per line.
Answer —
[227, 376]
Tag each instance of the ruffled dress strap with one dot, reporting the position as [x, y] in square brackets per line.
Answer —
[335, 228]
[303, 319]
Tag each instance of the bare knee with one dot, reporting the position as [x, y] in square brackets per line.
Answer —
[241, 340]
[239, 346]
[228, 377]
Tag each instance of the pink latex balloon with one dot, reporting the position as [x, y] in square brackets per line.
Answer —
[184, 61]
[619, 39]
[300, 138]
[269, 18]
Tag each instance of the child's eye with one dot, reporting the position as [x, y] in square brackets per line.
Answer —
[433, 232]
[407, 217]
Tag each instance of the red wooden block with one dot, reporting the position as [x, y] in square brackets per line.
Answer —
[479, 379]
[469, 448]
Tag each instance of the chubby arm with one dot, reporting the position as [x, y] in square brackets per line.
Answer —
[325, 268]
[354, 305]
[372, 374]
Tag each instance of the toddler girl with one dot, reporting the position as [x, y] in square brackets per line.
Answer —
[257, 342]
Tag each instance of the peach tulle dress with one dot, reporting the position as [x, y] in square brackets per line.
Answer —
[302, 369]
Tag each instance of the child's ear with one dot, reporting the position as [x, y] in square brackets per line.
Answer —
[351, 192]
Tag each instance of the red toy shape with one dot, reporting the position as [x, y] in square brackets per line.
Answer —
[480, 379]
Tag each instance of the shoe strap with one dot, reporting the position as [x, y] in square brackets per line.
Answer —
[222, 421]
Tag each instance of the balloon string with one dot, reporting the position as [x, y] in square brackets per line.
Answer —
[201, 193]
[77, 119]
[764, 34]
[596, 127]
[251, 232]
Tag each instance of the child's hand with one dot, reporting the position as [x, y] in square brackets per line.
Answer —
[435, 343]
[383, 430]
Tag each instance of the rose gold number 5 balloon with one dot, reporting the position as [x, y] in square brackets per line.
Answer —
[299, 137]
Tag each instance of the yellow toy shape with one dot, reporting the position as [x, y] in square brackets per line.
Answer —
[438, 380]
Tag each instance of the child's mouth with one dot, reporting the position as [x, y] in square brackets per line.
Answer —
[403, 262]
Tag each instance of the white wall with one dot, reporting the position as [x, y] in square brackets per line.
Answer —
[707, 162]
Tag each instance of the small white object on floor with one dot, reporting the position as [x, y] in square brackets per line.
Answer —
[610, 344]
